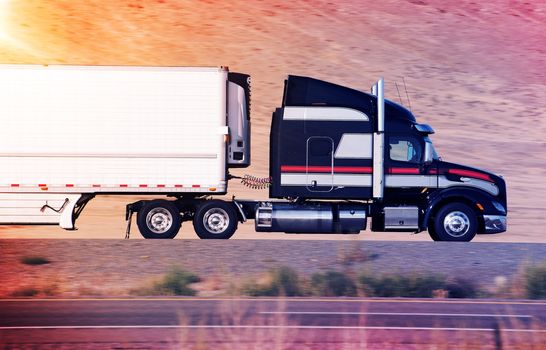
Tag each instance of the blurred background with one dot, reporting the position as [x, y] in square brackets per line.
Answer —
[474, 70]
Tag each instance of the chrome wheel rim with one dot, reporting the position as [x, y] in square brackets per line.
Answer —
[456, 224]
[216, 220]
[159, 220]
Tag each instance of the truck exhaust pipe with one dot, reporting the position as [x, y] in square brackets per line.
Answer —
[378, 90]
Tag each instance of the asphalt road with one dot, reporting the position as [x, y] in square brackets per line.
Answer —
[174, 323]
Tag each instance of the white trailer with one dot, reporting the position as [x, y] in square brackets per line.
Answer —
[71, 132]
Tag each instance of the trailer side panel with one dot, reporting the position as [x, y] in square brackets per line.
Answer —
[112, 129]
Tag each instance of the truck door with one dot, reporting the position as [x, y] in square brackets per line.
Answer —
[405, 171]
[320, 164]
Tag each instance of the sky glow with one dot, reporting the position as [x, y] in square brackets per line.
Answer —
[4, 11]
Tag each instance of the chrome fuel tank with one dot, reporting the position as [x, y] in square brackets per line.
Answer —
[310, 217]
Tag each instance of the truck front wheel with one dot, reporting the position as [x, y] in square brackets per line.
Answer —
[215, 219]
[455, 222]
[432, 232]
[159, 219]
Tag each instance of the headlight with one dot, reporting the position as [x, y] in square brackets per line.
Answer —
[499, 207]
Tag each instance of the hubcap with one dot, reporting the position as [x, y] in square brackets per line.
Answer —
[456, 224]
[216, 220]
[159, 220]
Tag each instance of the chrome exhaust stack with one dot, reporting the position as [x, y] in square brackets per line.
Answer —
[378, 90]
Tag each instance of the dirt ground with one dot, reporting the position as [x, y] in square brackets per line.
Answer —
[114, 267]
[474, 70]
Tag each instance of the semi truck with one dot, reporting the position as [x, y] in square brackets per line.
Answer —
[339, 157]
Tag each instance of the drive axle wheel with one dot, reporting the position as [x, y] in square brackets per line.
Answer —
[159, 219]
[455, 222]
[215, 220]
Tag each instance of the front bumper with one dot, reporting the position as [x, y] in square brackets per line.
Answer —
[494, 223]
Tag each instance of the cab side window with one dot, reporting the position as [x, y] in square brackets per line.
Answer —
[405, 149]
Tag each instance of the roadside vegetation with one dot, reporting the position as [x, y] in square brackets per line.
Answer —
[279, 281]
[530, 283]
[175, 282]
[34, 260]
[285, 281]
[25, 292]
[333, 284]
[42, 289]
[535, 281]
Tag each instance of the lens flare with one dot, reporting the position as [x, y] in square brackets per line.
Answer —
[4, 11]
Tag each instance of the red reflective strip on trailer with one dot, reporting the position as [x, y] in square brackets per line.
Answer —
[470, 173]
[142, 185]
[177, 186]
[42, 185]
[195, 186]
[404, 171]
[69, 185]
[14, 185]
[161, 186]
[96, 185]
[326, 169]
[123, 185]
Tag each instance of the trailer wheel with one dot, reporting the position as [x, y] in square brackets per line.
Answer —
[455, 222]
[215, 219]
[159, 219]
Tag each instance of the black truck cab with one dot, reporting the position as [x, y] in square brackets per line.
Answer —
[327, 139]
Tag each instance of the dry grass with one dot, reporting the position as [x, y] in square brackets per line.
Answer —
[350, 254]
[176, 281]
[282, 281]
[242, 327]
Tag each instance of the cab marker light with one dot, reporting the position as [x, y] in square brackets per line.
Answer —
[480, 206]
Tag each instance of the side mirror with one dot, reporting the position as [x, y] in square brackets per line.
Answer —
[428, 153]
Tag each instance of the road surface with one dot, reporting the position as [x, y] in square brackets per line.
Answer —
[175, 323]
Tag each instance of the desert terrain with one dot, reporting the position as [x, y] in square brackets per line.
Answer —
[475, 71]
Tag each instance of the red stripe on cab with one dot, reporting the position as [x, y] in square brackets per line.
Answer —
[405, 171]
[325, 169]
[470, 173]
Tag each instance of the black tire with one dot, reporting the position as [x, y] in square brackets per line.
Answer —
[159, 219]
[455, 222]
[432, 232]
[215, 219]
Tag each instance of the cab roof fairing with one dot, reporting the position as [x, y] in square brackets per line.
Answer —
[306, 91]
